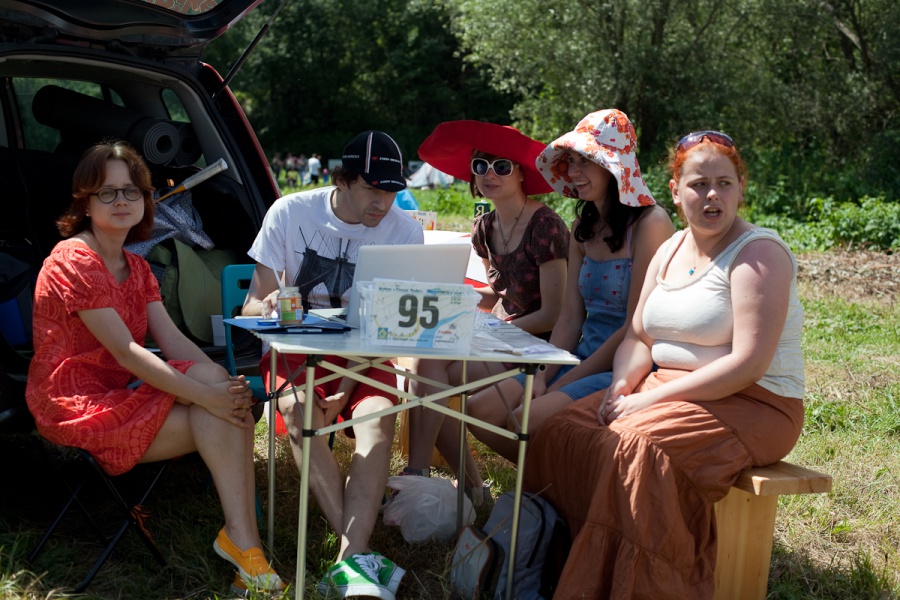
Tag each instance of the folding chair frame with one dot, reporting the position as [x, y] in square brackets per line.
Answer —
[132, 515]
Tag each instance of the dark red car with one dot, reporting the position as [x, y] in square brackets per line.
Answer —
[73, 73]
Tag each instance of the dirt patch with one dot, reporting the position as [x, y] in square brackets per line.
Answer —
[854, 275]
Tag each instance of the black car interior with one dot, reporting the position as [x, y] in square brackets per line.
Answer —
[43, 141]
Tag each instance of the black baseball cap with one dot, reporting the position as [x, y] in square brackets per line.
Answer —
[377, 158]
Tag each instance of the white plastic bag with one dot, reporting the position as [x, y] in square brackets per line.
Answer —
[425, 508]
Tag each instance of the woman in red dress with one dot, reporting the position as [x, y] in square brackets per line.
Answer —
[93, 385]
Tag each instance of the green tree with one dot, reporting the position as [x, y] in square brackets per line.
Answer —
[328, 70]
[833, 70]
[808, 87]
[654, 60]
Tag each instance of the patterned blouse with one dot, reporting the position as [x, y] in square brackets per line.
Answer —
[515, 277]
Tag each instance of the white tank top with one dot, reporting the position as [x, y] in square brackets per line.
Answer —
[692, 323]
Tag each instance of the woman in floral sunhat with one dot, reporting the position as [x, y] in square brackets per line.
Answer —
[522, 243]
[616, 232]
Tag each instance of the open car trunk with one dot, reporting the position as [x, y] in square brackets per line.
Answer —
[61, 94]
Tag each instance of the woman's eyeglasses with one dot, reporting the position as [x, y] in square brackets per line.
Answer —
[108, 195]
[503, 167]
[692, 139]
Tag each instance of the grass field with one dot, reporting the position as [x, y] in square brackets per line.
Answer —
[845, 544]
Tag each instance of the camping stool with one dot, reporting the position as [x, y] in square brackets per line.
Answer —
[133, 516]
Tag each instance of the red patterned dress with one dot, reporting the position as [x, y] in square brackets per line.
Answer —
[77, 392]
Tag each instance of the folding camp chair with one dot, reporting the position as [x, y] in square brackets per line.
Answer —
[235, 282]
[133, 515]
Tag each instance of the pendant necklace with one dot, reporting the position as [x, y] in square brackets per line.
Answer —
[696, 251]
[712, 252]
[505, 240]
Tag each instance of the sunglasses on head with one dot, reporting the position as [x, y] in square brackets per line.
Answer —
[692, 139]
[503, 167]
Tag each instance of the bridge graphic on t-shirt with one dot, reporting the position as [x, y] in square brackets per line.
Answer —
[328, 261]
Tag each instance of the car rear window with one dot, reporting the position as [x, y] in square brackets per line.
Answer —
[41, 137]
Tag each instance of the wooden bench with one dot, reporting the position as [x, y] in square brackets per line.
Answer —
[746, 525]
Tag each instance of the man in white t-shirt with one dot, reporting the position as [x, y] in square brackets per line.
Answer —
[315, 168]
[310, 240]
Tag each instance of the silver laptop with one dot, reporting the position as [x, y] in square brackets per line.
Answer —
[434, 263]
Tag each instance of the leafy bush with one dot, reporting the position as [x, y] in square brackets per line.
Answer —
[874, 223]
[817, 224]
[800, 236]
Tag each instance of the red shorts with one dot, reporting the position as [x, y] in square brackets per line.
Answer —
[298, 362]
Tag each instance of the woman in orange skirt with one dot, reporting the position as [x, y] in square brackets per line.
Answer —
[636, 468]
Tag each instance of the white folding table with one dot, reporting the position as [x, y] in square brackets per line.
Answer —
[500, 343]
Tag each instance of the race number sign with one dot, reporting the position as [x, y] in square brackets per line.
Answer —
[418, 314]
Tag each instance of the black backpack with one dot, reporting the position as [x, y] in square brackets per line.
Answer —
[480, 565]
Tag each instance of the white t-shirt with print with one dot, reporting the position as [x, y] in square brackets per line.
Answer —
[302, 237]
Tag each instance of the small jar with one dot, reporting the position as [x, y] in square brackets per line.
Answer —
[290, 306]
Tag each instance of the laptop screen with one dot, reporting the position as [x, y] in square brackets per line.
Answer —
[435, 263]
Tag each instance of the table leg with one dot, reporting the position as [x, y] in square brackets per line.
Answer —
[520, 474]
[308, 432]
[273, 400]
[461, 472]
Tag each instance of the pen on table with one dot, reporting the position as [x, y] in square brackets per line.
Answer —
[508, 351]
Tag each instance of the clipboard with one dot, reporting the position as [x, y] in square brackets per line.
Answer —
[311, 325]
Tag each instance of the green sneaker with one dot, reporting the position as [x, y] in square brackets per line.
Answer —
[355, 576]
[389, 575]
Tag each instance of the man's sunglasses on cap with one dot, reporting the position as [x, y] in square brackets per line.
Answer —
[503, 167]
[692, 139]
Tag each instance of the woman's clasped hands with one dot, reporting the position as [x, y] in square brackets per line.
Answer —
[619, 402]
[231, 401]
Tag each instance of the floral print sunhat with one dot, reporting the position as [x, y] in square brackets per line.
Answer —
[605, 137]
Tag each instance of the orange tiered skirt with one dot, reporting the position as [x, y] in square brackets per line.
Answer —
[639, 495]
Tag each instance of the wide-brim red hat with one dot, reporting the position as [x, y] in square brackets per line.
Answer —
[449, 149]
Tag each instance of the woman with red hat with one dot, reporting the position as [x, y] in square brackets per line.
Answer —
[615, 234]
[522, 243]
